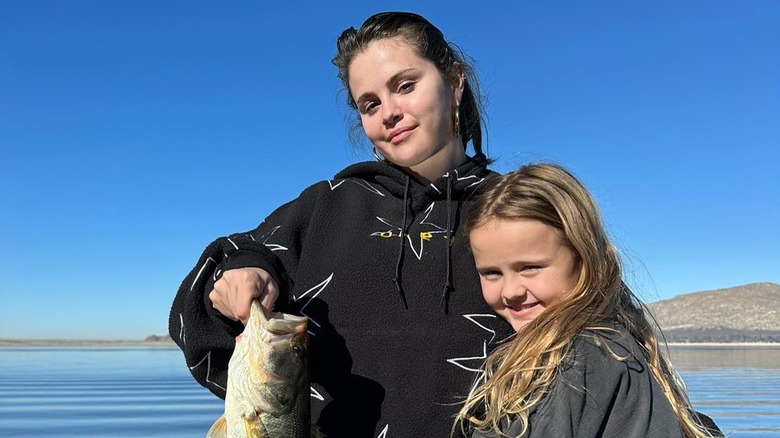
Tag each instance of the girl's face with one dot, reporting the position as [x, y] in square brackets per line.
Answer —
[523, 266]
[406, 107]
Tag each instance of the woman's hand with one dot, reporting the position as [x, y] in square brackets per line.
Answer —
[233, 293]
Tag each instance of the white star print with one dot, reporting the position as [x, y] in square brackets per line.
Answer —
[471, 317]
[181, 330]
[424, 235]
[474, 363]
[359, 182]
[273, 246]
[459, 360]
[316, 394]
[477, 180]
[315, 291]
[334, 186]
[233, 243]
[207, 359]
[201, 271]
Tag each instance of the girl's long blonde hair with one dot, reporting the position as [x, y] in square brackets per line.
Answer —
[519, 372]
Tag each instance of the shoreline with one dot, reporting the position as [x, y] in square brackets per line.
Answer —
[84, 343]
[723, 344]
[96, 343]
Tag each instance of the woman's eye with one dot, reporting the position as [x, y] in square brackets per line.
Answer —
[369, 107]
[406, 87]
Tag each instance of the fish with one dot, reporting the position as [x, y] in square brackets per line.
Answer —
[268, 393]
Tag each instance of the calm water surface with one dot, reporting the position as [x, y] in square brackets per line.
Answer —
[101, 392]
[738, 386]
[148, 392]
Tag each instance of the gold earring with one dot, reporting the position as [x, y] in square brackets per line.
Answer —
[456, 122]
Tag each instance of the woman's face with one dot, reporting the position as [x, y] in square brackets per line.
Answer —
[406, 107]
[524, 267]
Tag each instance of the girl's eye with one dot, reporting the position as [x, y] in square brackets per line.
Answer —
[531, 269]
[490, 275]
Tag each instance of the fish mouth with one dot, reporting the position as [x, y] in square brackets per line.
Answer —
[277, 323]
[285, 324]
[273, 337]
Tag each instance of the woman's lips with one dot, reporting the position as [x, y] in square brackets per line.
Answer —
[399, 135]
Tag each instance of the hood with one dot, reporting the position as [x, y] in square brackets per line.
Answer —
[464, 179]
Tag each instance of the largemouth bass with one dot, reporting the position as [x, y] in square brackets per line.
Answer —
[268, 392]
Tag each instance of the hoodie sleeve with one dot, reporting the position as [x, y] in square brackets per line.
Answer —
[207, 337]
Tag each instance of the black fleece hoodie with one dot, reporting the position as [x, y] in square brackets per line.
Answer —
[377, 261]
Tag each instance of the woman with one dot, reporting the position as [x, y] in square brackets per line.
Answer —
[585, 361]
[374, 257]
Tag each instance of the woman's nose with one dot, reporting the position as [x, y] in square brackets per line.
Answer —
[391, 113]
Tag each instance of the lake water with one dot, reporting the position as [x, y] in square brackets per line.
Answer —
[148, 392]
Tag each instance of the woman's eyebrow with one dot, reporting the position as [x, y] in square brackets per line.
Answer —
[390, 81]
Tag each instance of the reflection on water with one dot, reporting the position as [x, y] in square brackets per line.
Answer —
[101, 392]
[71, 392]
[693, 357]
[737, 385]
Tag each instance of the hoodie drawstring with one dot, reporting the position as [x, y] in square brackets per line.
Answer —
[445, 293]
[399, 262]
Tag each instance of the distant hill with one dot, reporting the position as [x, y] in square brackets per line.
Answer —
[157, 338]
[150, 341]
[749, 313]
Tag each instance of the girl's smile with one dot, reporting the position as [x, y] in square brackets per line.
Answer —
[524, 267]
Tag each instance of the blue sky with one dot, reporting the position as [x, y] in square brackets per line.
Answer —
[135, 132]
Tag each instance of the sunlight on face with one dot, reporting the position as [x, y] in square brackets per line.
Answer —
[524, 267]
[406, 107]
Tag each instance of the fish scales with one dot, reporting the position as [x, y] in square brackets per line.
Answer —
[268, 392]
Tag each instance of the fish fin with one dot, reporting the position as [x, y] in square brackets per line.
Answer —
[218, 429]
[255, 429]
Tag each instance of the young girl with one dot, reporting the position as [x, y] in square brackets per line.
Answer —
[585, 361]
[375, 257]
